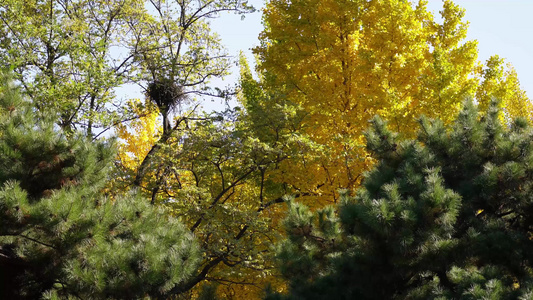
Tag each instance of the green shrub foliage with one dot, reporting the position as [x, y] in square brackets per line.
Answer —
[446, 216]
[60, 237]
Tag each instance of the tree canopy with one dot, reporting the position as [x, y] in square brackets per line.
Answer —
[342, 62]
[71, 56]
[190, 205]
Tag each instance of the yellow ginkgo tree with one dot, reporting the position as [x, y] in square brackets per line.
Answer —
[340, 62]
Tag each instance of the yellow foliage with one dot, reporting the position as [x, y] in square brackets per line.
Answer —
[138, 136]
[342, 62]
[502, 83]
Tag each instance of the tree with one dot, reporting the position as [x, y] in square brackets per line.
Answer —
[342, 62]
[177, 55]
[215, 177]
[445, 216]
[223, 164]
[62, 53]
[60, 236]
[71, 56]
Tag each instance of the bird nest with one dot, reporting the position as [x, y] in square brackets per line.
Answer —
[165, 93]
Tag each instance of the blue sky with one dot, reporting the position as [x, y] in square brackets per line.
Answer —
[503, 27]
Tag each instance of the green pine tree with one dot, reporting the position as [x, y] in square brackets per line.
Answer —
[446, 216]
[60, 237]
